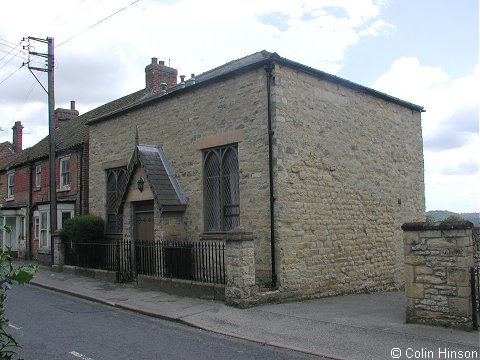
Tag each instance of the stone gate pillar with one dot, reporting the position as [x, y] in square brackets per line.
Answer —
[240, 286]
[58, 252]
[437, 264]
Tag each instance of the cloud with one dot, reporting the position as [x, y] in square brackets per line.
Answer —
[107, 61]
[450, 129]
[455, 131]
[276, 19]
[377, 28]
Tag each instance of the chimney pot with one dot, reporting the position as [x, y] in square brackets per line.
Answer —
[72, 105]
[164, 88]
[154, 60]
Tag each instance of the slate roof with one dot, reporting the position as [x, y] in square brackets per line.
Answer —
[254, 60]
[7, 148]
[160, 177]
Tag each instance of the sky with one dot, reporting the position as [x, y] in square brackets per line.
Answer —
[422, 51]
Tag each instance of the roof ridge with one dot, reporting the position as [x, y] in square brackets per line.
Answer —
[266, 54]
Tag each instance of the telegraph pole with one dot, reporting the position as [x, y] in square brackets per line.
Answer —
[51, 130]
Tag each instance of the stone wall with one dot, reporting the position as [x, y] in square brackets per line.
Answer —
[348, 174]
[231, 110]
[240, 269]
[348, 171]
[437, 279]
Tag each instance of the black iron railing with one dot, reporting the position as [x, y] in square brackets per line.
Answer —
[203, 262]
[197, 261]
[101, 254]
[475, 288]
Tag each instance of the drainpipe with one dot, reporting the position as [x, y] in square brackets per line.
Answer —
[28, 217]
[268, 69]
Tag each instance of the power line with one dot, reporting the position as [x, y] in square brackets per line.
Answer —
[97, 23]
[12, 50]
[26, 98]
[8, 77]
[7, 41]
[76, 13]
[35, 59]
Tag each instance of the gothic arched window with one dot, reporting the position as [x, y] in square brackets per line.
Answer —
[221, 188]
[116, 180]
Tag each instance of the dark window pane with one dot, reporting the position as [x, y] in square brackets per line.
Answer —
[212, 192]
[116, 182]
[230, 190]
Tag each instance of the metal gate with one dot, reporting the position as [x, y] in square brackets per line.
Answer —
[124, 261]
[475, 288]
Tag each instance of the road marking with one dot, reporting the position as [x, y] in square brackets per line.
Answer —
[15, 327]
[80, 356]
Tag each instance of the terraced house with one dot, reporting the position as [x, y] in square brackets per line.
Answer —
[322, 171]
[24, 181]
[24, 175]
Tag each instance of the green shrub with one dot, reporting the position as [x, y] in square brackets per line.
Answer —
[430, 220]
[83, 228]
[453, 219]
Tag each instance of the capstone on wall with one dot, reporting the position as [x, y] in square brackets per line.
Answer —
[348, 174]
[235, 110]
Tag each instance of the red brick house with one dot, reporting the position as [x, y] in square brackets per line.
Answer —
[24, 182]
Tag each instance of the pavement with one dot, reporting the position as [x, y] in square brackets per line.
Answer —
[366, 326]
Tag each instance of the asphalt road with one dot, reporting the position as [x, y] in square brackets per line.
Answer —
[51, 325]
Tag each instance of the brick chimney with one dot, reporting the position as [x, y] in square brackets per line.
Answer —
[17, 136]
[157, 73]
[64, 115]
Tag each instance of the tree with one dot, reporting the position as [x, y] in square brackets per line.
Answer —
[453, 219]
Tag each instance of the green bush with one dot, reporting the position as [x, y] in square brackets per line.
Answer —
[453, 219]
[83, 228]
[430, 220]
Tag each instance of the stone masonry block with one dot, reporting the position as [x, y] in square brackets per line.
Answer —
[460, 306]
[414, 291]
[431, 234]
[423, 270]
[464, 292]
[459, 277]
[409, 274]
[415, 260]
[441, 243]
[457, 233]
[411, 238]
[430, 279]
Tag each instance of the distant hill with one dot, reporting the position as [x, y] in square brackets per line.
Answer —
[440, 215]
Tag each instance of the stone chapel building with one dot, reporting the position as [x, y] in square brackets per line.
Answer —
[321, 170]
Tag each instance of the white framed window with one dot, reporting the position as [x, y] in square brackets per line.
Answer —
[62, 216]
[38, 176]
[43, 229]
[10, 185]
[36, 231]
[65, 172]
